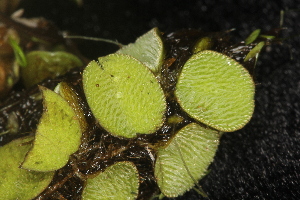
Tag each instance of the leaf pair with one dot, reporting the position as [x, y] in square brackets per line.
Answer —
[217, 91]
[181, 164]
[127, 99]
[58, 135]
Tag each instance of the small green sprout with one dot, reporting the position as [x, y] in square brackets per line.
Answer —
[19, 54]
[252, 37]
[204, 43]
[254, 52]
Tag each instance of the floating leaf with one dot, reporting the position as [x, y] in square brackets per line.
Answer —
[119, 181]
[124, 95]
[17, 183]
[57, 136]
[185, 160]
[255, 51]
[216, 90]
[252, 37]
[148, 49]
[44, 64]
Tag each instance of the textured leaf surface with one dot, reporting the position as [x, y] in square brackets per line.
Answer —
[57, 137]
[216, 90]
[148, 49]
[185, 159]
[124, 95]
[17, 183]
[119, 181]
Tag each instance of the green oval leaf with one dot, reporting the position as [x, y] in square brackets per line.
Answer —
[44, 64]
[119, 181]
[57, 136]
[185, 160]
[15, 182]
[148, 49]
[124, 95]
[216, 90]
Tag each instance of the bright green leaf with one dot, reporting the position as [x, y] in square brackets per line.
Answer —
[252, 37]
[124, 95]
[17, 183]
[119, 181]
[148, 49]
[216, 90]
[44, 64]
[185, 160]
[57, 136]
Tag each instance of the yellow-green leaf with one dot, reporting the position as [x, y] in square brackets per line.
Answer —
[124, 95]
[57, 136]
[44, 64]
[204, 43]
[15, 182]
[119, 181]
[216, 90]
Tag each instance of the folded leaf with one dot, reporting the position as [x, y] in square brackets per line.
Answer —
[57, 136]
[148, 49]
[185, 160]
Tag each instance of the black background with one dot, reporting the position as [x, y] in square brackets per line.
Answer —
[261, 161]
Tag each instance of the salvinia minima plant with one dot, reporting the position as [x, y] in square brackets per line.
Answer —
[136, 115]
